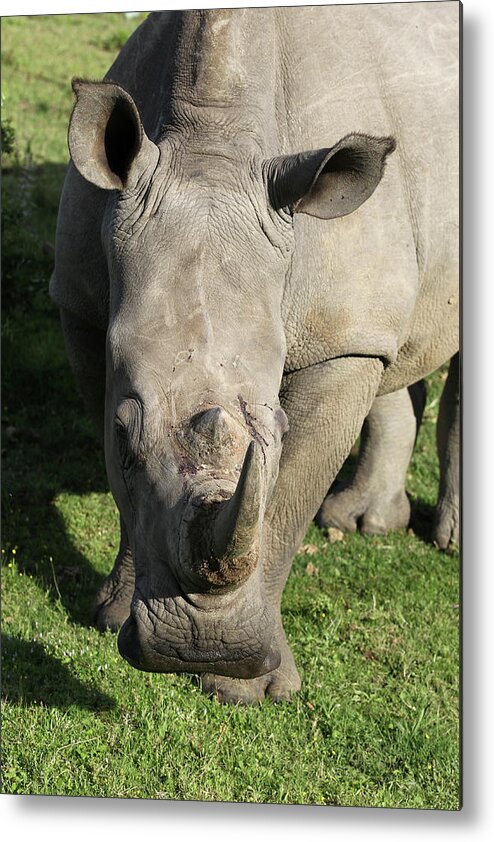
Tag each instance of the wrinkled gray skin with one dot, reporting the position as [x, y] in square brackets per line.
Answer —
[233, 303]
[375, 500]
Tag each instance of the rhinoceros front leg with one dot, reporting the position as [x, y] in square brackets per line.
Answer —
[86, 352]
[375, 500]
[112, 602]
[446, 530]
[85, 346]
[326, 405]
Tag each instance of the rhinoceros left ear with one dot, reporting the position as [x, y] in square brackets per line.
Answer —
[107, 141]
[327, 183]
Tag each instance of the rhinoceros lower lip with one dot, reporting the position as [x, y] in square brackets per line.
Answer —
[236, 664]
[173, 635]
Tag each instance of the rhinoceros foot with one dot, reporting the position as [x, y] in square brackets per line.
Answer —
[112, 602]
[446, 529]
[278, 684]
[373, 514]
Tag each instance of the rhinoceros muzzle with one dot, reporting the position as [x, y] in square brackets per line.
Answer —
[208, 613]
[176, 634]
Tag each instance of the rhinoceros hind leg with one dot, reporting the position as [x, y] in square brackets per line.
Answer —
[111, 605]
[278, 685]
[348, 509]
[375, 500]
[446, 530]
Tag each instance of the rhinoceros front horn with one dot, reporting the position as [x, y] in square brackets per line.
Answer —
[227, 546]
[237, 525]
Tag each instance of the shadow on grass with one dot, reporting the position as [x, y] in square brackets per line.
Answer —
[31, 676]
[32, 523]
[422, 519]
[49, 445]
[48, 555]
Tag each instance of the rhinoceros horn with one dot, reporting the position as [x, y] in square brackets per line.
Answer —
[237, 525]
[227, 548]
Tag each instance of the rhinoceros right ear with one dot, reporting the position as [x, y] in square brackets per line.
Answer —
[107, 141]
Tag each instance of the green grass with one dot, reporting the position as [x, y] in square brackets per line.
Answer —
[374, 622]
[40, 56]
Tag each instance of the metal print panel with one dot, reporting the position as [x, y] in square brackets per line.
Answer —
[230, 552]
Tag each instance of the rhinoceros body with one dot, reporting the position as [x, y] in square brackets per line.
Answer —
[257, 236]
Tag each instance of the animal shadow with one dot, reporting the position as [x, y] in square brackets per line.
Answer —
[32, 676]
[49, 445]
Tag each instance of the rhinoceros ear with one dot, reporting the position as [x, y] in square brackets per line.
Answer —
[327, 183]
[107, 141]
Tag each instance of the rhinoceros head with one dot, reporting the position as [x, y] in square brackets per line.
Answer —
[198, 238]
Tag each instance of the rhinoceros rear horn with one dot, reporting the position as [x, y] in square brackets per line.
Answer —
[107, 141]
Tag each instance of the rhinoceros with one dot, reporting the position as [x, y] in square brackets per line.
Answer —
[257, 237]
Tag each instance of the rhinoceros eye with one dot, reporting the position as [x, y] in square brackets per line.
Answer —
[128, 424]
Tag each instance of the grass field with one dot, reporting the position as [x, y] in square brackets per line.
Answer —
[374, 622]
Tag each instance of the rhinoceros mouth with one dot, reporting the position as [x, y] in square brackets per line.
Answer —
[236, 664]
[175, 636]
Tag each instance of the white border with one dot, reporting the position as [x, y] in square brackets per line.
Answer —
[50, 7]
[53, 819]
